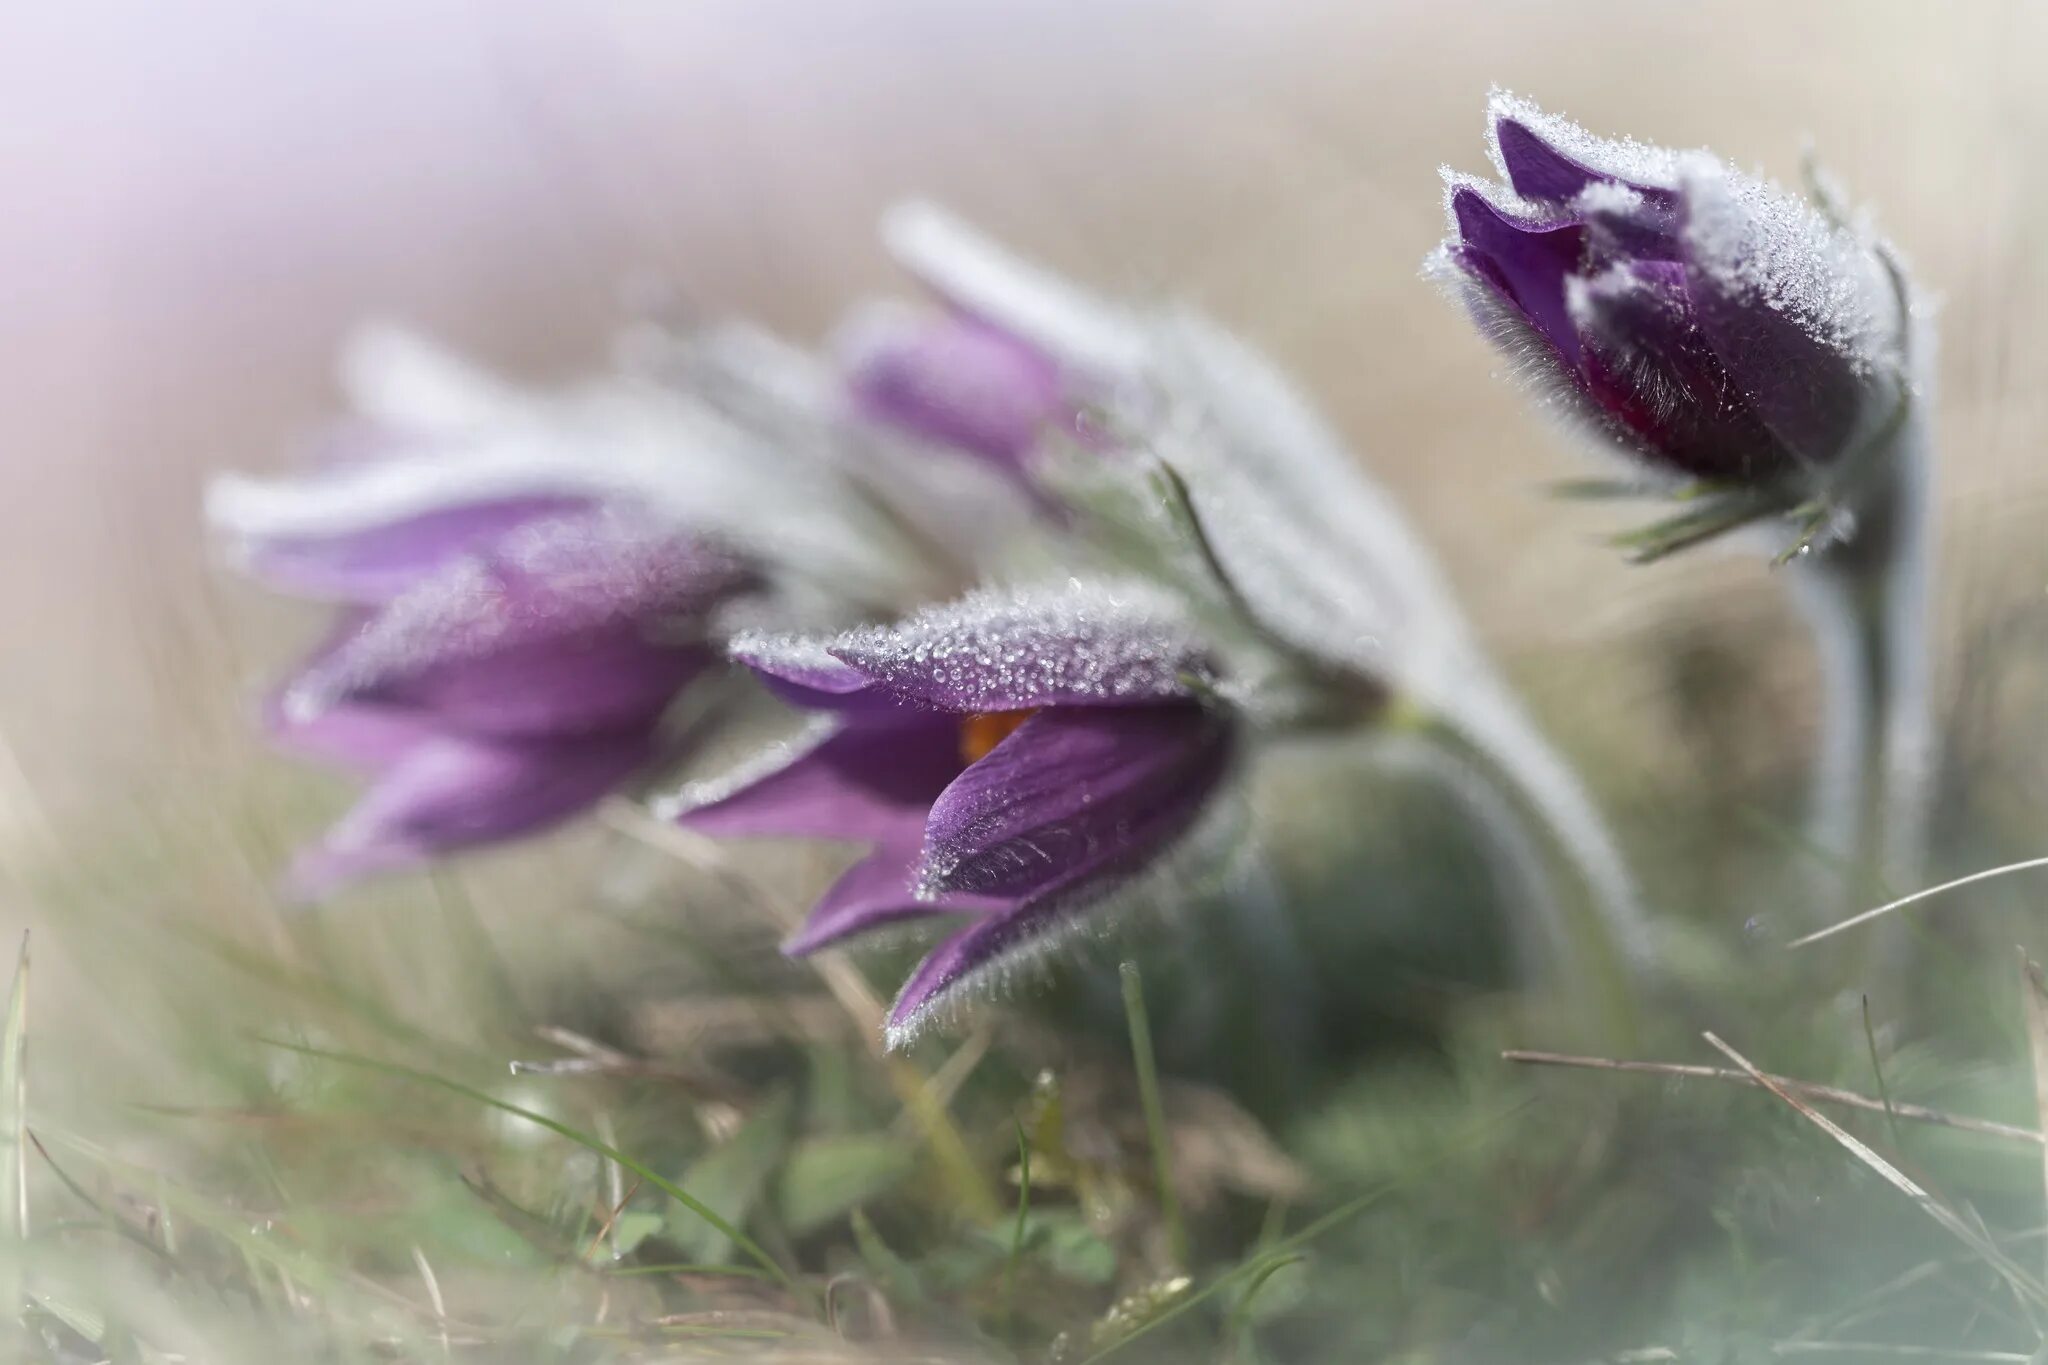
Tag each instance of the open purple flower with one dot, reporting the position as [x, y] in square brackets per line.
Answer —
[500, 670]
[1718, 329]
[1007, 758]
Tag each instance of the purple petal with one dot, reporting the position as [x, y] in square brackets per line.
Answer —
[1552, 159]
[1078, 795]
[577, 623]
[1084, 644]
[1788, 305]
[1538, 170]
[802, 672]
[1651, 370]
[365, 739]
[1621, 225]
[876, 892]
[592, 684]
[956, 382]
[1526, 263]
[871, 783]
[377, 563]
[450, 792]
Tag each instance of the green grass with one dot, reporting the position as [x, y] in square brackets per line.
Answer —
[257, 1138]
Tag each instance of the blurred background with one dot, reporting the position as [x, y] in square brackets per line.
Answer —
[199, 200]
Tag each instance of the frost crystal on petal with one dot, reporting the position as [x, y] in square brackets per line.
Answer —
[1084, 643]
[1766, 246]
[1639, 163]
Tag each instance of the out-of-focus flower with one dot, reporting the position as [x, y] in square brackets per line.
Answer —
[517, 675]
[1724, 333]
[1009, 757]
[526, 577]
[954, 380]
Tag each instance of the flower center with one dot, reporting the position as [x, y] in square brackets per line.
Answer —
[981, 732]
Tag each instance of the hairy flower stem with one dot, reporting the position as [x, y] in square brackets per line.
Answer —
[1867, 602]
[1603, 940]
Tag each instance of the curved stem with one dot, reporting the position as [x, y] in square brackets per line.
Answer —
[1867, 602]
[1263, 936]
[1603, 935]
[1519, 866]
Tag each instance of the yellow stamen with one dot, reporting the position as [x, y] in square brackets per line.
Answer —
[981, 732]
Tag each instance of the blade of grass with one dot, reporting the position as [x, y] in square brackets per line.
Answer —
[434, 1299]
[1891, 1117]
[2025, 1286]
[1155, 1113]
[584, 1140]
[744, 1272]
[1822, 1094]
[112, 1222]
[1925, 894]
[1017, 1234]
[1238, 1326]
[2034, 993]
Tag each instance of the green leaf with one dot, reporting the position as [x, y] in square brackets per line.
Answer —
[825, 1178]
[1599, 490]
[1715, 515]
[729, 1180]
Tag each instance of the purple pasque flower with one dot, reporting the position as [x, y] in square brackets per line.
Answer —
[1010, 356]
[495, 675]
[1720, 330]
[954, 380]
[1009, 758]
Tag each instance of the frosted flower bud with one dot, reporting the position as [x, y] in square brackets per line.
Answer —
[1723, 333]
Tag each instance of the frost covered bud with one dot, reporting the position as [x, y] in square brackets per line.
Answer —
[1718, 329]
[1008, 757]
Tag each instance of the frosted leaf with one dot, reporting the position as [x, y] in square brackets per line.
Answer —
[1095, 339]
[931, 513]
[749, 447]
[1088, 643]
[1317, 549]
[394, 375]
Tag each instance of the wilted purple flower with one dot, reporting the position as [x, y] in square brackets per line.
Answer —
[1009, 758]
[1717, 328]
[501, 671]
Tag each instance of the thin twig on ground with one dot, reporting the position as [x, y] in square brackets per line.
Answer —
[1823, 1094]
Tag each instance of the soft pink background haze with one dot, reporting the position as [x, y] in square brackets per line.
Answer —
[201, 198]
